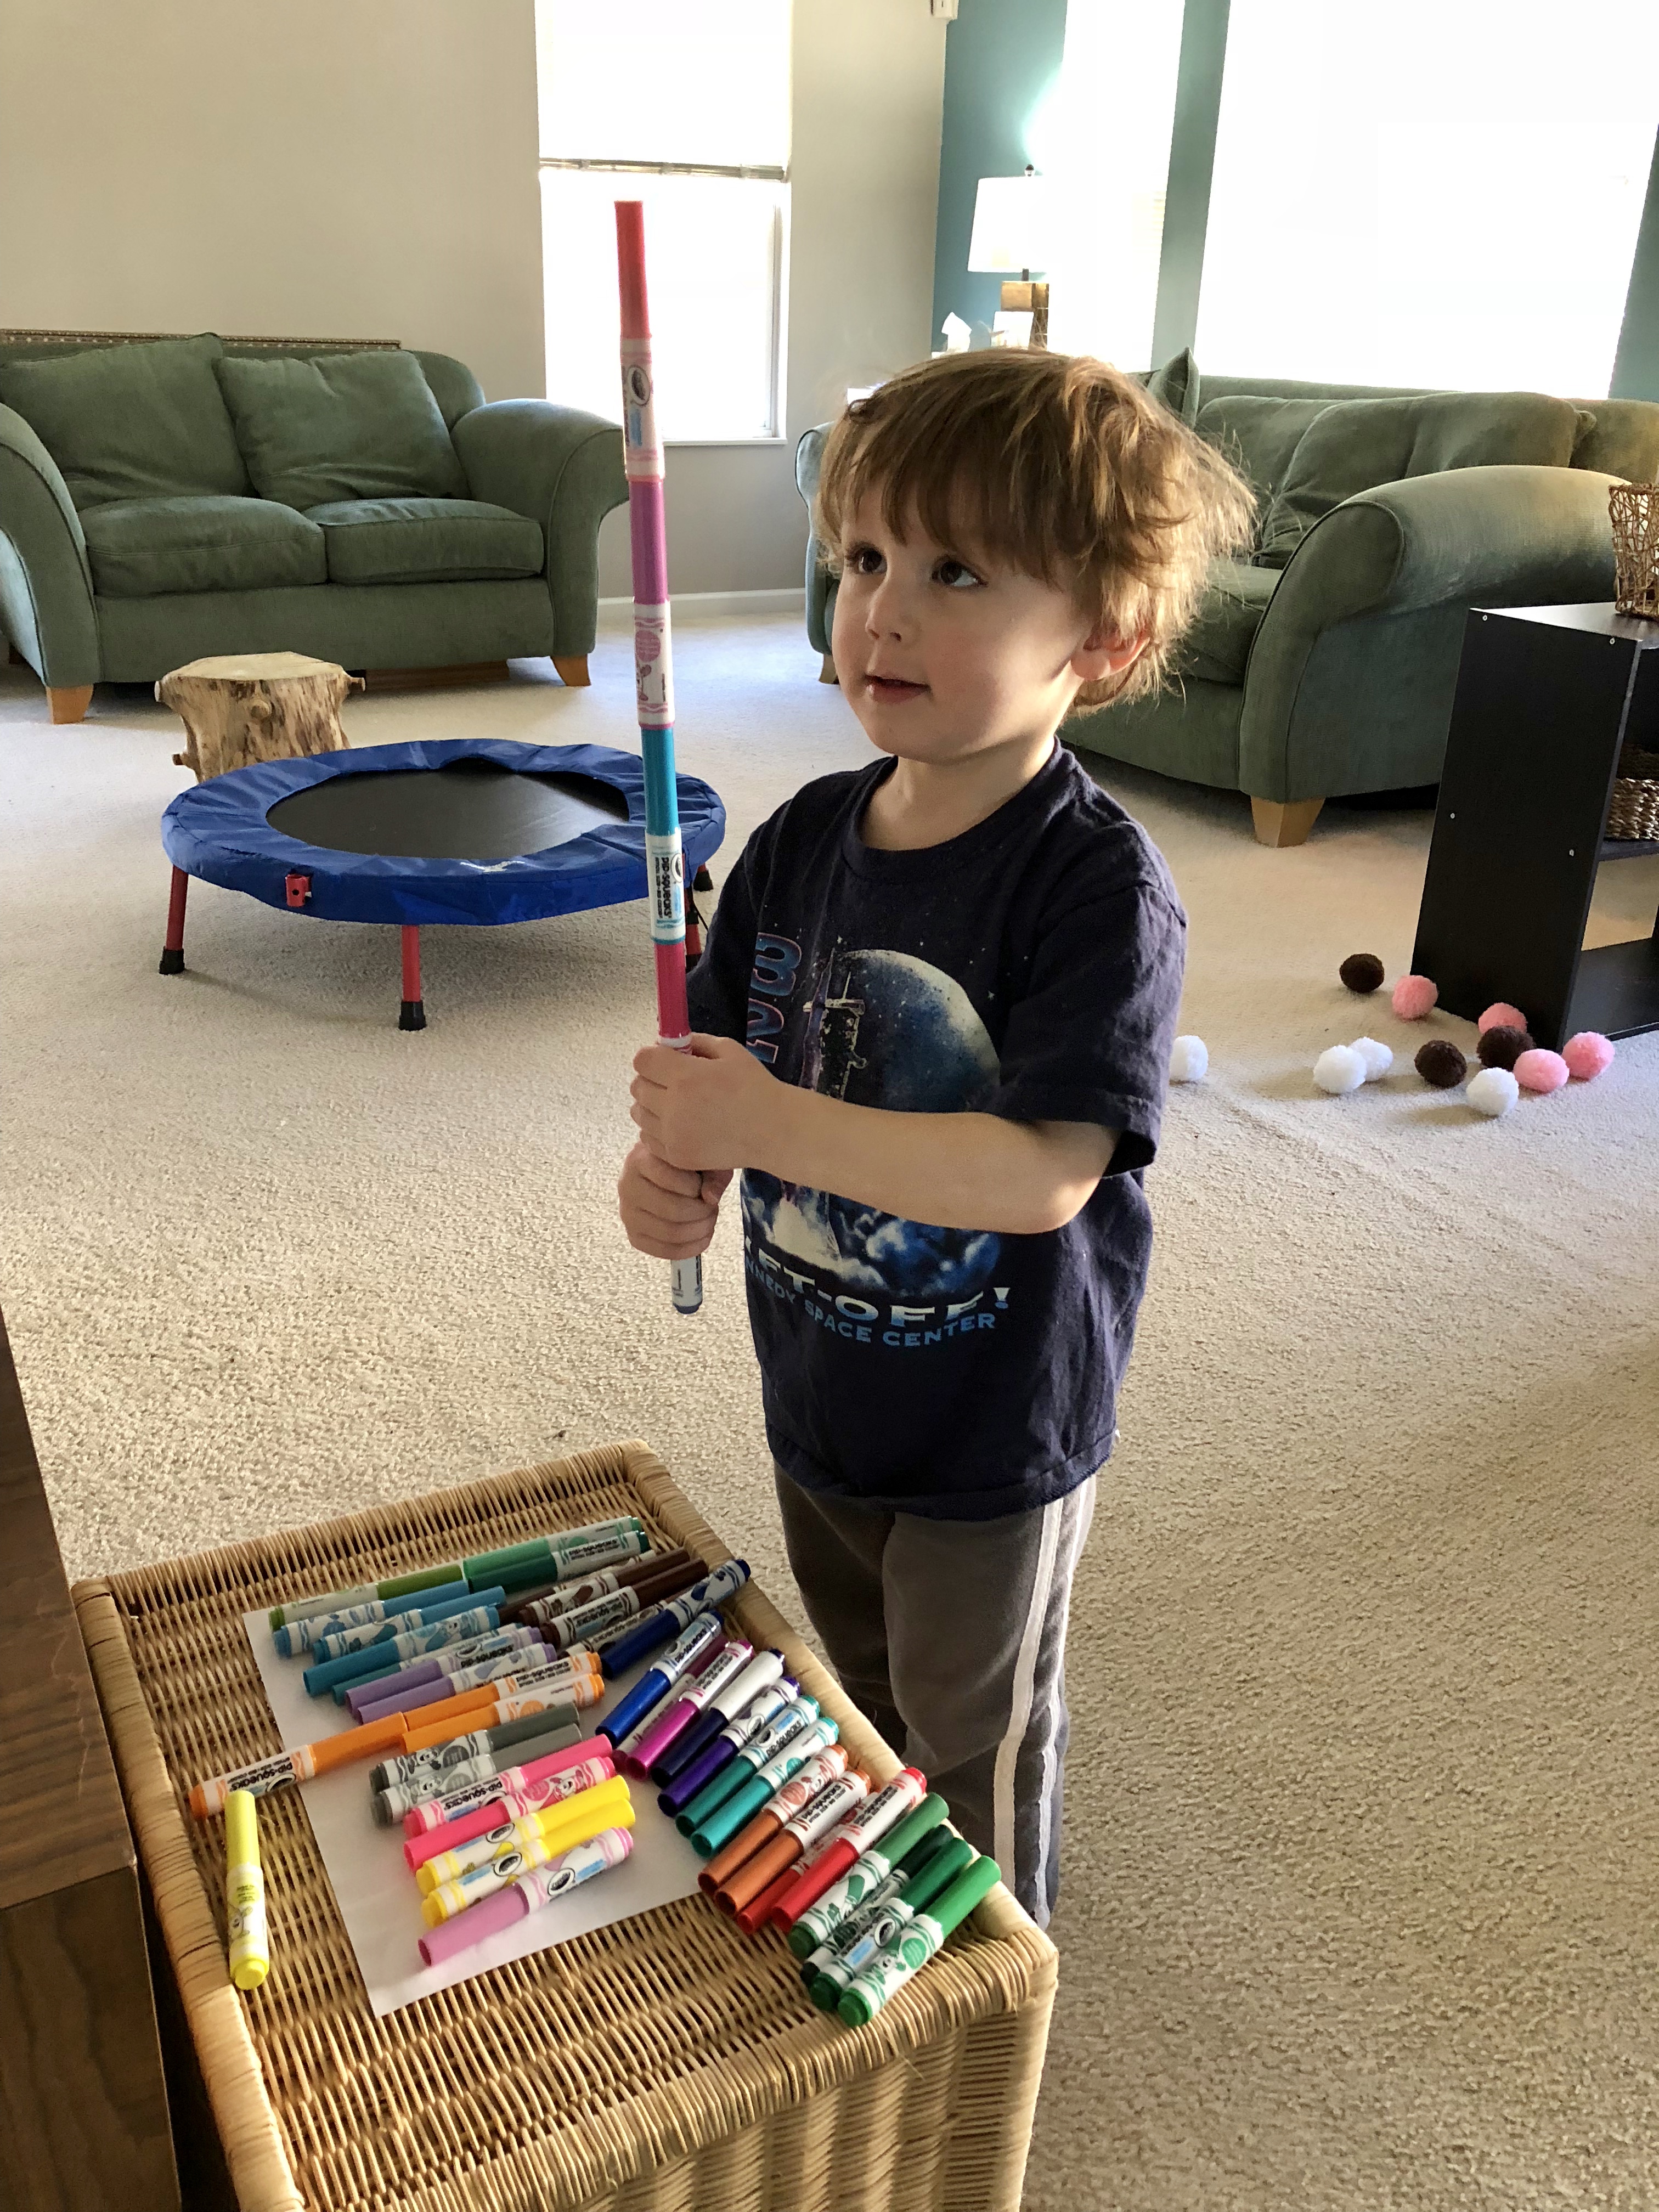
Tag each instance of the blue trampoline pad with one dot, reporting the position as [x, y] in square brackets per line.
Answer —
[479, 831]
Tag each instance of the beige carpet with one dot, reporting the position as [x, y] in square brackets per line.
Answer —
[1363, 1817]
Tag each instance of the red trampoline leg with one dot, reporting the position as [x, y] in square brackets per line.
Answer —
[413, 1016]
[173, 950]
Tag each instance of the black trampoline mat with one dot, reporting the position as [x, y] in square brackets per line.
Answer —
[467, 810]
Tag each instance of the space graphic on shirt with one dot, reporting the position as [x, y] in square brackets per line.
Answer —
[888, 1030]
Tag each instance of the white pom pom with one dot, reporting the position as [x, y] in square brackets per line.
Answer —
[1188, 1058]
[1494, 1091]
[1340, 1070]
[1376, 1056]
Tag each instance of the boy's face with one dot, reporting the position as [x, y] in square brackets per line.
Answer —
[943, 651]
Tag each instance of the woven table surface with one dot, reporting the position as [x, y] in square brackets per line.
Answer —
[666, 2060]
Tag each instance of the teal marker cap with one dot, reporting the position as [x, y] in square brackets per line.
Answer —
[484, 1565]
[713, 1794]
[717, 1829]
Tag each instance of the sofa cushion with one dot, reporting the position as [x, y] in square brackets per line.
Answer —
[141, 547]
[1355, 445]
[344, 426]
[1218, 646]
[131, 421]
[415, 541]
[1258, 436]
[1176, 385]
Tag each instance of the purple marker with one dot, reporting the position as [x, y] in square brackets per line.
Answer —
[541, 1885]
[724, 1701]
[380, 1688]
[522, 1659]
[716, 1756]
[671, 1721]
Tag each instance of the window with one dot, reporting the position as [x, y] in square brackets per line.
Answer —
[685, 105]
[1444, 192]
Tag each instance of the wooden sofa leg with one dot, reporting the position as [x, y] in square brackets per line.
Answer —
[573, 670]
[827, 673]
[69, 703]
[1281, 822]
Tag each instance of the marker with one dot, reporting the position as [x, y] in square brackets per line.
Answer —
[825, 1762]
[299, 1636]
[803, 1826]
[413, 1643]
[388, 1633]
[715, 1709]
[450, 1898]
[434, 1813]
[408, 1765]
[544, 1886]
[871, 1868]
[509, 1802]
[437, 1667]
[714, 1829]
[341, 1601]
[621, 1608]
[447, 1866]
[741, 1754]
[558, 1702]
[532, 1668]
[555, 1599]
[853, 1923]
[671, 1721]
[910, 1950]
[908, 1890]
[569, 1553]
[864, 1826]
[390, 1803]
[705, 1634]
[658, 1627]
[718, 1753]
[303, 1765]
[244, 1893]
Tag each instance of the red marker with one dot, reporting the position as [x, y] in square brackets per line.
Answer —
[852, 1837]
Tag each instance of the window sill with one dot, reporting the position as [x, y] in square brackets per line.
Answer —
[769, 438]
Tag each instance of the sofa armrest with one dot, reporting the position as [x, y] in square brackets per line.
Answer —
[1484, 536]
[563, 468]
[45, 584]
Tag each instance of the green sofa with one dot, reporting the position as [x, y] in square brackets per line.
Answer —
[165, 499]
[1324, 665]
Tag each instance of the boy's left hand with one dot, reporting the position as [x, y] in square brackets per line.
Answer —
[708, 1108]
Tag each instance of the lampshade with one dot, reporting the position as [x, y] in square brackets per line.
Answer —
[1011, 224]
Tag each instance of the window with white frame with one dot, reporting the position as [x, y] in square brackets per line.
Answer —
[1443, 192]
[684, 105]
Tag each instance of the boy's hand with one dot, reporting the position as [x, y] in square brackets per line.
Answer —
[668, 1211]
[711, 1107]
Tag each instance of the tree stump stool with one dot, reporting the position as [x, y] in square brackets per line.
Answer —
[241, 708]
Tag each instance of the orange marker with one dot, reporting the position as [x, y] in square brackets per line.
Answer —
[301, 1765]
[580, 1684]
[557, 1704]
[762, 1869]
[782, 1805]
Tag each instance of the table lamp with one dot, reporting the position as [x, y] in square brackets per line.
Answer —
[1010, 231]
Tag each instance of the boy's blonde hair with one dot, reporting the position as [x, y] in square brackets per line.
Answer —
[1058, 465]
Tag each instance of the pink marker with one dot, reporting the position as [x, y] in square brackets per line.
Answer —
[507, 1806]
[641, 1757]
[435, 1812]
[541, 1885]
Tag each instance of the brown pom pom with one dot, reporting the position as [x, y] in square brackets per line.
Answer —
[1440, 1062]
[1362, 972]
[1501, 1046]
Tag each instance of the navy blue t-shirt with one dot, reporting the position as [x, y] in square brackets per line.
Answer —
[1029, 968]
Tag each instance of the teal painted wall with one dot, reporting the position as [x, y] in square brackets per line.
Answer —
[1000, 59]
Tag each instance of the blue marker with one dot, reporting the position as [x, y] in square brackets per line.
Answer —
[674, 1613]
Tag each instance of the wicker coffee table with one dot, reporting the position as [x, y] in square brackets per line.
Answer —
[664, 2063]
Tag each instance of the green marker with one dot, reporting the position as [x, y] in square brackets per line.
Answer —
[307, 1609]
[853, 1924]
[616, 1540]
[911, 1949]
[849, 1950]
[866, 1873]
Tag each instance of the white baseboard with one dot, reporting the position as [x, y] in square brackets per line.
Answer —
[789, 600]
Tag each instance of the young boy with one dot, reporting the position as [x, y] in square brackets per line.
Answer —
[955, 974]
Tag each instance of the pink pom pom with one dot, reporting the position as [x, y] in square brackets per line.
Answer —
[1501, 1016]
[1587, 1056]
[1541, 1071]
[1412, 996]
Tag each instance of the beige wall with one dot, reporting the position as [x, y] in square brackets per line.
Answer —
[319, 168]
[869, 91]
[367, 169]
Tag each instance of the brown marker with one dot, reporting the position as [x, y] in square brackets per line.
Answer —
[548, 1601]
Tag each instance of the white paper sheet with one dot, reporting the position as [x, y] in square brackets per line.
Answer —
[375, 1889]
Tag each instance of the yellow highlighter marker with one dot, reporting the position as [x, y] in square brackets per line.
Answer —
[244, 1893]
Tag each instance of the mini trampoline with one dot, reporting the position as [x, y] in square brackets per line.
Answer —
[478, 832]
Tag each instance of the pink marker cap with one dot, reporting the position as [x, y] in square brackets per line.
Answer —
[450, 1835]
[487, 1917]
[655, 1741]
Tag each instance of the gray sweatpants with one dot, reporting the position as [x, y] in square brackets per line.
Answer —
[950, 1637]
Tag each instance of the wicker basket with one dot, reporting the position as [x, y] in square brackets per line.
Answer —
[666, 2063]
[1635, 809]
[1635, 512]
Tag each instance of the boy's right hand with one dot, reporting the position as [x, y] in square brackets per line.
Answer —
[668, 1212]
